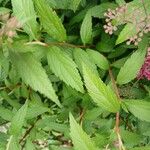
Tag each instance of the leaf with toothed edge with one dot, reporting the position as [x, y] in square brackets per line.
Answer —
[50, 21]
[101, 94]
[64, 67]
[25, 13]
[33, 74]
[80, 139]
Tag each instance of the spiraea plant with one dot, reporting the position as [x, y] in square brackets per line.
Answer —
[74, 75]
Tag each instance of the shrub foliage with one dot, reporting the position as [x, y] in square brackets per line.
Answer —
[74, 75]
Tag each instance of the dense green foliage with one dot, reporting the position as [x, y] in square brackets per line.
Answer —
[69, 75]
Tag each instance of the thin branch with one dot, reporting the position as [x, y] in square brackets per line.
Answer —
[29, 130]
[10, 87]
[121, 147]
[58, 44]
[36, 43]
[9, 142]
[82, 112]
[118, 96]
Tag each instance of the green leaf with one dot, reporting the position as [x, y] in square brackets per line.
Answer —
[98, 59]
[93, 114]
[64, 67]
[6, 114]
[75, 4]
[82, 56]
[18, 120]
[139, 108]
[10, 101]
[127, 136]
[128, 31]
[80, 139]
[33, 74]
[106, 43]
[50, 21]
[101, 94]
[86, 29]
[119, 63]
[25, 13]
[117, 52]
[133, 64]
[12, 144]
[48, 124]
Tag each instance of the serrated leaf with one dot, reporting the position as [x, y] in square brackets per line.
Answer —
[98, 59]
[80, 139]
[128, 31]
[64, 67]
[101, 94]
[50, 21]
[33, 74]
[18, 120]
[6, 114]
[86, 29]
[75, 4]
[81, 56]
[25, 13]
[139, 108]
[128, 73]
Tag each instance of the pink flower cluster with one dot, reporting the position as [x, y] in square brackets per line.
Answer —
[9, 28]
[142, 28]
[145, 70]
[142, 23]
[110, 15]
